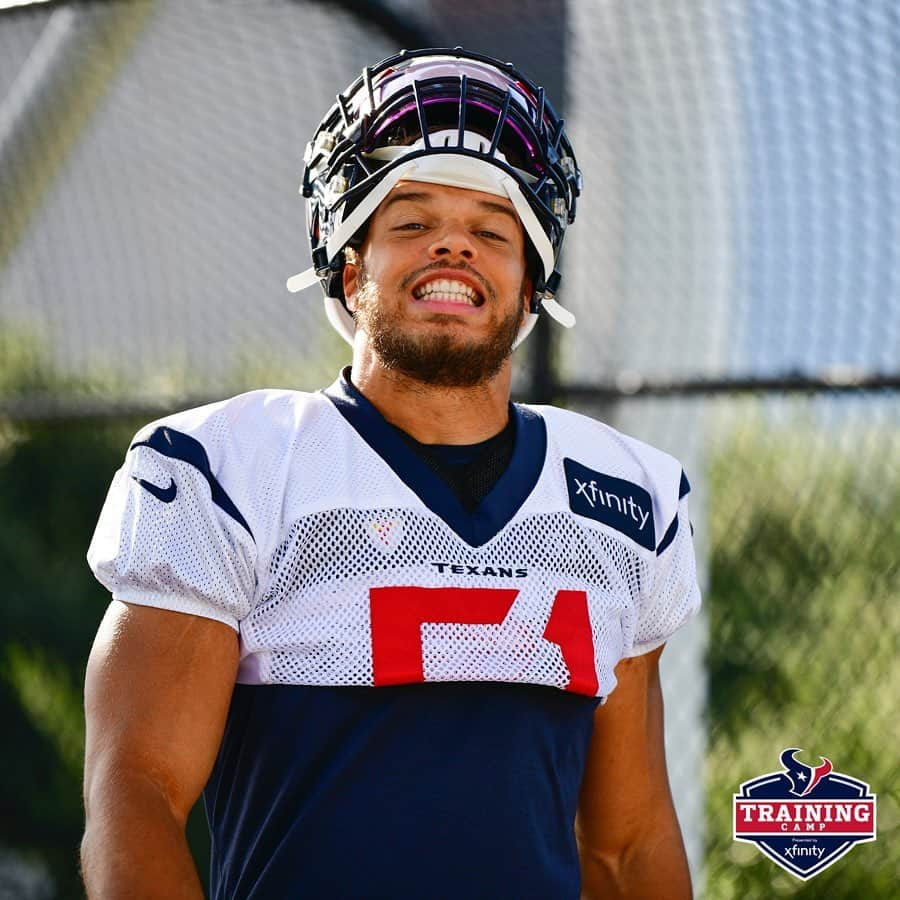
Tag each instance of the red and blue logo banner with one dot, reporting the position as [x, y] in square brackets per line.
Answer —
[804, 818]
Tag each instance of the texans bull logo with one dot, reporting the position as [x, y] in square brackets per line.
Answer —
[803, 778]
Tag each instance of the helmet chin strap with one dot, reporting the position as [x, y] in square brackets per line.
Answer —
[526, 328]
[303, 280]
[558, 313]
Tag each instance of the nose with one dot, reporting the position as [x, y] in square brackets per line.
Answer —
[452, 241]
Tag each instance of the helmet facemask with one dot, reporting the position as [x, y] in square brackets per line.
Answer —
[445, 117]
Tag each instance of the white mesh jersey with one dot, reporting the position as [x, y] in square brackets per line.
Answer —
[306, 523]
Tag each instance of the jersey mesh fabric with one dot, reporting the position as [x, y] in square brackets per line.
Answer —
[326, 635]
[329, 521]
[671, 596]
[185, 555]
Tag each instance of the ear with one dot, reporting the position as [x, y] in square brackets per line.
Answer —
[527, 293]
[350, 282]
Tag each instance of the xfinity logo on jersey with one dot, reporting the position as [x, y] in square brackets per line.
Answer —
[621, 504]
[806, 817]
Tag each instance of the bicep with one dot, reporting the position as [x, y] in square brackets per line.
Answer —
[157, 691]
[625, 787]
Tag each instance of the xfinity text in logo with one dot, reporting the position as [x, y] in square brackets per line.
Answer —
[593, 495]
[621, 504]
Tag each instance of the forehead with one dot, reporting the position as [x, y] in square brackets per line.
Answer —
[442, 196]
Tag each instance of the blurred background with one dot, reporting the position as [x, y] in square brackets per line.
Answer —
[734, 270]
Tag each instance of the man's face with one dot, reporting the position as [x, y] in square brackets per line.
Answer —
[439, 286]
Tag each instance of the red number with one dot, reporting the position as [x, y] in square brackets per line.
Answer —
[399, 612]
[569, 626]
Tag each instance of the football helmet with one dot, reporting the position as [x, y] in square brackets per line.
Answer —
[445, 116]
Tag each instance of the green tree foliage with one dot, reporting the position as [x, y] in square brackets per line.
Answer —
[804, 626]
[52, 483]
[53, 480]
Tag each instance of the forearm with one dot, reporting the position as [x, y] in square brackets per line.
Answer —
[135, 848]
[650, 868]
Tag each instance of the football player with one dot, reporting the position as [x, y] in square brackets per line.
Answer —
[401, 633]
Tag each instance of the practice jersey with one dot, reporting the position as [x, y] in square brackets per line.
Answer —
[417, 683]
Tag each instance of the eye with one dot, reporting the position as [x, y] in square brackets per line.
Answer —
[410, 226]
[491, 235]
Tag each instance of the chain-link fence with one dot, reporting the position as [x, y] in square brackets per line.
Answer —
[734, 270]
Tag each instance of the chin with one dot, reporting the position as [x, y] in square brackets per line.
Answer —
[441, 359]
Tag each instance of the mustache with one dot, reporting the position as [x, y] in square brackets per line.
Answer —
[413, 276]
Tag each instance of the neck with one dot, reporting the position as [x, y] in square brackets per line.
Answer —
[435, 415]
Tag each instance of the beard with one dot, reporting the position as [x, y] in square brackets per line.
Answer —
[440, 358]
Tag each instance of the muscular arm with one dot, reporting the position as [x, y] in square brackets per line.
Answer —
[157, 691]
[628, 836]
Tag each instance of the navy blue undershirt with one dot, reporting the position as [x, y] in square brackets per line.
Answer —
[461, 791]
[470, 470]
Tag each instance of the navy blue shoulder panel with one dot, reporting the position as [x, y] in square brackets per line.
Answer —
[177, 445]
[669, 536]
[683, 490]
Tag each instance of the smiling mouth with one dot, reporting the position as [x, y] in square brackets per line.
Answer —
[448, 290]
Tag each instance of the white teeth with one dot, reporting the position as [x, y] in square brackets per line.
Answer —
[447, 289]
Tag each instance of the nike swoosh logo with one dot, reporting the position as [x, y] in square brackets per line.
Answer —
[167, 495]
